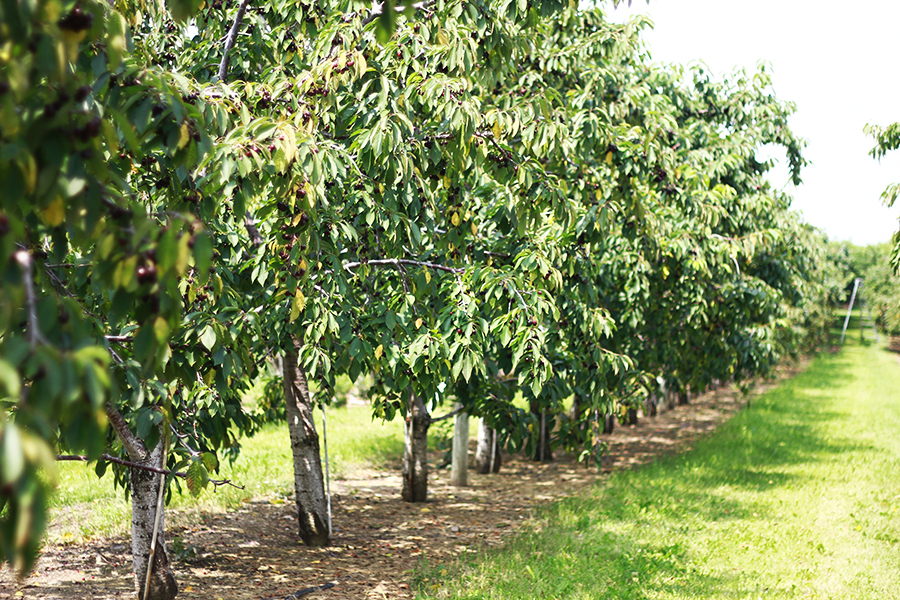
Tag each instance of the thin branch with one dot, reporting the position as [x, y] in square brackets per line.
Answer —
[181, 439]
[143, 467]
[232, 38]
[450, 414]
[378, 9]
[23, 257]
[252, 230]
[119, 338]
[397, 262]
[486, 135]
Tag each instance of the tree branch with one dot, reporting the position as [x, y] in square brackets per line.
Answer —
[143, 467]
[23, 257]
[450, 414]
[397, 262]
[256, 237]
[119, 338]
[232, 38]
[135, 447]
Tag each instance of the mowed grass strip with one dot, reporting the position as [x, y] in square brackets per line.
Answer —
[795, 497]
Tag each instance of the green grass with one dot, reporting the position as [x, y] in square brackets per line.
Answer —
[264, 467]
[796, 497]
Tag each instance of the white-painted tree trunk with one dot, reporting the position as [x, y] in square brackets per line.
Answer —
[459, 470]
[309, 484]
[487, 452]
[144, 497]
[415, 455]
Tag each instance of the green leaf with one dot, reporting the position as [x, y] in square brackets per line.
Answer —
[196, 477]
[387, 22]
[182, 10]
[209, 461]
[115, 39]
[12, 459]
[10, 384]
[203, 254]
[208, 337]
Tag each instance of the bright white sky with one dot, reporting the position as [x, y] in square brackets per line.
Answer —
[839, 66]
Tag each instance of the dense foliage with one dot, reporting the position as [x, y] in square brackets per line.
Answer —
[479, 197]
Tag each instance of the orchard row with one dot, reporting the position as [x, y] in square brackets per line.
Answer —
[468, 200]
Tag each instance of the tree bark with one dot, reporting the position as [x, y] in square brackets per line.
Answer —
[576, 408]
[670, 399]
[487, 453]
[684, 397]
[651, 405]
[609, 423]
[144, 496]
[631, 415]
[460, 466]
[309, 484]
[415, 456]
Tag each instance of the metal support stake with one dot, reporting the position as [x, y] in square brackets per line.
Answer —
[327, 474]
[856, 283]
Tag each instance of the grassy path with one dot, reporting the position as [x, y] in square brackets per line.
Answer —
[796, 497]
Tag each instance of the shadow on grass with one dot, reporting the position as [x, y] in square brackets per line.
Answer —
[629, 538]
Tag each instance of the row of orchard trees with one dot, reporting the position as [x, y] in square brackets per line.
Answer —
[465, 199]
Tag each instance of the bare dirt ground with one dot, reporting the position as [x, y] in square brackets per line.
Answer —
[253, 553]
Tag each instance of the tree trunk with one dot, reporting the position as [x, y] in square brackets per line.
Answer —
[415, 456]
[684, 397]
[631, 416]
[309, 485]
[459, 470]
[609, 423]
[487, 453]
[542, 451]
[144, 498]
[576, 408]
[651, 405]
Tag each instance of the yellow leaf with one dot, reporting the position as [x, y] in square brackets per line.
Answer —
[184, 136]
[427, 276]
[609, 157]
[474, 229]
[361, 65]
[455, 219]
[161, 329]
[442, 38]
[418, 322]
[189, 589]
[54, 214]
[496, 130]
[665, 272]
[379, 351]
[297, 304]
